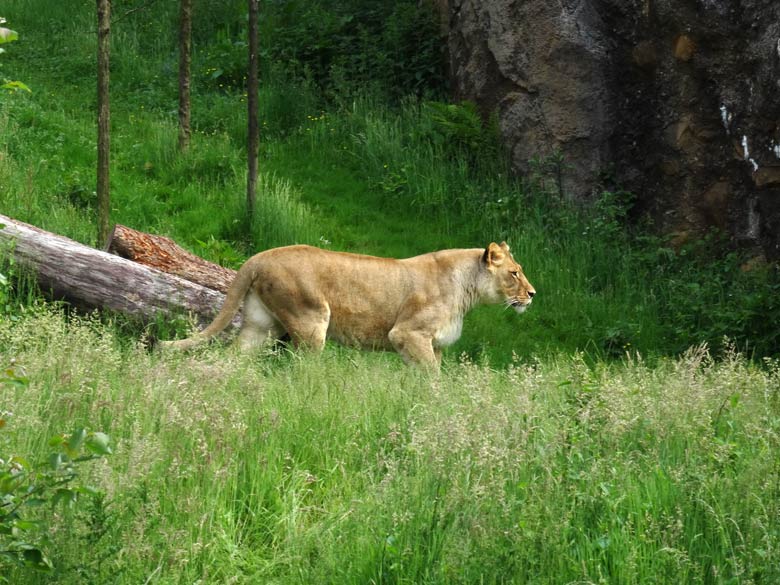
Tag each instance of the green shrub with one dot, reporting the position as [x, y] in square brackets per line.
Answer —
[395, 48]
[31, 494]
[711, 293]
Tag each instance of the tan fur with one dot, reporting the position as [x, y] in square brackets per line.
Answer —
[415, 306]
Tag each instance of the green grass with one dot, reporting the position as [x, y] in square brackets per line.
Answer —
[351, 468]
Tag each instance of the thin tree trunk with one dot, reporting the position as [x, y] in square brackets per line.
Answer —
[104, 120]
[185, 56]
[252, 107]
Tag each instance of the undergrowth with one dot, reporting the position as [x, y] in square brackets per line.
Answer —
[349, 467]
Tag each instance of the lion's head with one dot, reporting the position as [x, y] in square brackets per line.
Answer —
[508, 284]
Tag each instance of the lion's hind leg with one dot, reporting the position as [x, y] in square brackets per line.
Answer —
[258, 324]
[308, 328]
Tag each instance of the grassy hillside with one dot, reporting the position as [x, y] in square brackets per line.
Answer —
[350, 165]
[548, 451]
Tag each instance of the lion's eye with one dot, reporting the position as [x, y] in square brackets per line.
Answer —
[515, 274]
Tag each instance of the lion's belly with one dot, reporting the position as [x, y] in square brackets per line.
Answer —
[359, 330]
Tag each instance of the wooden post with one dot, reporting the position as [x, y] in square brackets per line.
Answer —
[185, 56]
[103, 120]
[252, 107]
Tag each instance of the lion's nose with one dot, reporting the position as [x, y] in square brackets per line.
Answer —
[531, 294]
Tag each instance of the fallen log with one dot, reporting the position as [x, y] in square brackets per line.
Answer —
[93, 278]
[164, 254]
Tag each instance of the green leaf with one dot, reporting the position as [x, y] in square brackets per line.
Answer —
[55, 461]
[34, 557]
[87, 490]
[9, 557]
[9, 376]
[19, 461]
[27, 524]
[65, 496]
[7, 35]
[56, 441]
[15, 85]
[75, 441]
[9, 483]
[98, 443]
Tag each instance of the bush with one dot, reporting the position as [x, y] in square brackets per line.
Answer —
[395, 48]
[31, 493]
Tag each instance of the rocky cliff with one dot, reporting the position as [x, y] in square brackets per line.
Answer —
[677, 100]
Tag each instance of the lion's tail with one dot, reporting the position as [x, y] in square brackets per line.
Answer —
[235, 297]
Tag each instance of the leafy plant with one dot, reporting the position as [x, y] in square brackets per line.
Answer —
[6, 36]
[460, 129]
[5, 283]
[609, 213]
[7, 278]
[30, 493]
[711, 293]
[344, 48]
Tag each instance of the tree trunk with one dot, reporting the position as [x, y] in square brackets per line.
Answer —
[252, 107]
[185, 53]
[103, 121]
[164, 254]
[95, 279]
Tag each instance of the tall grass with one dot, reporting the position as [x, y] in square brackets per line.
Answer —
[350, 468]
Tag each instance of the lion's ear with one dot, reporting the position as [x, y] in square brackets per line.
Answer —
[493, 255]
[505, 247]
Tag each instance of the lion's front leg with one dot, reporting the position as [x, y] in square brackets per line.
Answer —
[415, 347]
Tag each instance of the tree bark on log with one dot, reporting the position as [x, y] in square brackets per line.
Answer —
[164, 254]
[96, 279]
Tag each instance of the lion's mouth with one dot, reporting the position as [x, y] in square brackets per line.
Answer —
[519, 305]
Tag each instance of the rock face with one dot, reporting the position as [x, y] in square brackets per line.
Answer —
[677, 101]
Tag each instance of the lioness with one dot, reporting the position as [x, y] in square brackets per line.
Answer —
[415, 306]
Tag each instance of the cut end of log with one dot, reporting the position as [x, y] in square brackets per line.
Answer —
[164, 254]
